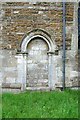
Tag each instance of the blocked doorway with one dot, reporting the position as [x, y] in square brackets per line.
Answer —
[37, 66]
[37, 63]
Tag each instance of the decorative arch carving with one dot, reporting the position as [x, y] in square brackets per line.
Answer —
[37, 33]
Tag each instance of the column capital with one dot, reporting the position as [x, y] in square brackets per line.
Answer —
[22, 52]
[50, 52]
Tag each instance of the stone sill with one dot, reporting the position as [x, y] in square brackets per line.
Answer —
[38, 88]
[67, 85]
[11, 86]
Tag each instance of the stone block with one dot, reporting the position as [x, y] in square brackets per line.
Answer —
[5, 85]
[16, 85]
[73, 74]
[10, 80]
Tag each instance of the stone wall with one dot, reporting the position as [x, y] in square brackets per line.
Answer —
[18, 19]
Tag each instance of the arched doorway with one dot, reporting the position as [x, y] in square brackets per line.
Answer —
[37, 63]
[36, 60]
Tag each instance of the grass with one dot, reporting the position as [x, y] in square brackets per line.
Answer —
[31, 104]
[0, 106]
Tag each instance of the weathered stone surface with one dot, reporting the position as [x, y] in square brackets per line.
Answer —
[20, 20]
[17, 20]
[37, 62]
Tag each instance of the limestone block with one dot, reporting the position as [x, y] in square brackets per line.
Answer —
[10, 80]
[73, 74]
[15, 12]
[15, 85]
[67, 71]
[9, 60]
[5, 85]
[40, 12]
[10, 69]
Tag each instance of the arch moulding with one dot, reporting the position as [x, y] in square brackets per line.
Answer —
[37, 33]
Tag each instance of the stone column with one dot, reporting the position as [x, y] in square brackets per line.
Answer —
[24, 73]
[50, 70]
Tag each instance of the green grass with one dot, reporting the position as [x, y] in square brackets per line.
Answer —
[0, 106]
[31, 104]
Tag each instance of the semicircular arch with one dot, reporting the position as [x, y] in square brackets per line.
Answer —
[37, 33]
